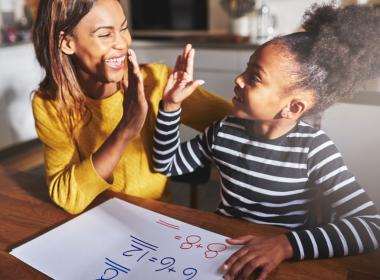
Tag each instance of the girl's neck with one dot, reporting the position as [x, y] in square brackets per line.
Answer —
[272, 129]
[96, 89]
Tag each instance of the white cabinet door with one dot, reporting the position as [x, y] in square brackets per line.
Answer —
[355, 130]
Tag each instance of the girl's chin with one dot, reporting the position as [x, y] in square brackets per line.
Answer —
[241, 114]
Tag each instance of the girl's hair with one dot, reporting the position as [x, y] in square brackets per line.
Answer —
[339, 50]
[60, 82]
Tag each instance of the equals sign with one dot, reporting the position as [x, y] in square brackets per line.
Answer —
[153, 259]
[178, 237]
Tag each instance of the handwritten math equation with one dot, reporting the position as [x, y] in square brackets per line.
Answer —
[145, 252]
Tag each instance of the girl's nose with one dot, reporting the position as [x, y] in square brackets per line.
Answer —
[239, 81]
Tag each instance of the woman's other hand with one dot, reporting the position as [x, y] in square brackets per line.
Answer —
[180, 84]
[135, 103]
[258, 253]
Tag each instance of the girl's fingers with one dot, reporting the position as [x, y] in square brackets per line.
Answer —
[239, 240]
[190, 64]
[177, 63]
[243, 262]
[265, 271]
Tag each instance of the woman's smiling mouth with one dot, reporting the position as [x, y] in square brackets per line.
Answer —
[116, 62]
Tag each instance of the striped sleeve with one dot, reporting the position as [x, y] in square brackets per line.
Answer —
[356, 225]
[170, 156]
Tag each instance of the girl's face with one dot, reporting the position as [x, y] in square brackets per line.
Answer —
[100, 43]
[260, 91]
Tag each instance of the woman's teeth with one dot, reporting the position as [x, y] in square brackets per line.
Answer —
[116, 62]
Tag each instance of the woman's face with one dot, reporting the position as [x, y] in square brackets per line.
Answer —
[100, 42]
[260, 91]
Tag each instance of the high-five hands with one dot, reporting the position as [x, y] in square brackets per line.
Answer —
[181, 84]
[134, 104]
[258, 253]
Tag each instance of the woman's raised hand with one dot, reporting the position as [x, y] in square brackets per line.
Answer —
[135, 103]
[180, 84]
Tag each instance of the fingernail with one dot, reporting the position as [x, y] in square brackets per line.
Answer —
[225, 266]
[201, 82]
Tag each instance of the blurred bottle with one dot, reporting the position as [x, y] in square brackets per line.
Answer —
[265, 23]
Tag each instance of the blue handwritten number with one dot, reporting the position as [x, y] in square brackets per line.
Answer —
[167, 262]
[190, 271]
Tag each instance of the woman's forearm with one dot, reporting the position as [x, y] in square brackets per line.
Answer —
[106, 158]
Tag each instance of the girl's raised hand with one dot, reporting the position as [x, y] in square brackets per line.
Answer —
[258, 253]
[135, 103]
[180, 84]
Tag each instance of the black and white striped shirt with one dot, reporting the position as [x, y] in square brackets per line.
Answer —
[275, 181]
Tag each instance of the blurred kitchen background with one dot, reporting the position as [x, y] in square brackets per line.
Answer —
[224, 33]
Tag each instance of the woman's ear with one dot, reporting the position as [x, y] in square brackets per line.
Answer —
[66, 44]
[294, 109]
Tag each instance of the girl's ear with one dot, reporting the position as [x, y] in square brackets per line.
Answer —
[66, 44]
[294, 109]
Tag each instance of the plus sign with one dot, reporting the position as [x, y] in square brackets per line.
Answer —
[171, 269]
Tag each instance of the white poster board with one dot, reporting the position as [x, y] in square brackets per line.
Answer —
[119, 240]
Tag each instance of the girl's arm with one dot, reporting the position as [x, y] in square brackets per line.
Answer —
[170, 156]
[355, 228]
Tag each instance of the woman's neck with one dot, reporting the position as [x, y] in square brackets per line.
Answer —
[96, 89]
[272, 129]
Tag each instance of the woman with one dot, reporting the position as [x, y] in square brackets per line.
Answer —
[94, 116]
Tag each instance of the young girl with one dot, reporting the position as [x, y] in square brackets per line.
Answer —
[271, 163]
[95, 118]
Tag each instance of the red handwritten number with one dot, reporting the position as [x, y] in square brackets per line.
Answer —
[190, 241]
[213, 250]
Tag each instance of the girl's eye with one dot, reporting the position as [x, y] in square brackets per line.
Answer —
[254, 79]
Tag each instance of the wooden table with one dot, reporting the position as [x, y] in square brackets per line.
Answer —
[26, 212]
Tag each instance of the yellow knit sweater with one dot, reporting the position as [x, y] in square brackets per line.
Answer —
[72, 179]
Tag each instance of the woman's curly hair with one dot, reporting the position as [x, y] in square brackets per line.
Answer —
[339, 50]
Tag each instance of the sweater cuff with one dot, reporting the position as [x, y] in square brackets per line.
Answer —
[90, 178]
[294, 242]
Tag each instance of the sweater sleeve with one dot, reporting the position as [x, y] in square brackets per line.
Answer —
[72, 181]
[355, 227]
[170, 156]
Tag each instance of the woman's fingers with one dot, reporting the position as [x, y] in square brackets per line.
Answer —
[136, 75]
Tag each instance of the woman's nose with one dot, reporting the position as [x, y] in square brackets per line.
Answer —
[121, 42]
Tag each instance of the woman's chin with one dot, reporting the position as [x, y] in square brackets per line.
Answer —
[115, 77]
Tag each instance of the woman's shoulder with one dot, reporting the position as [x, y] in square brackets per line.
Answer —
[43, 104]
